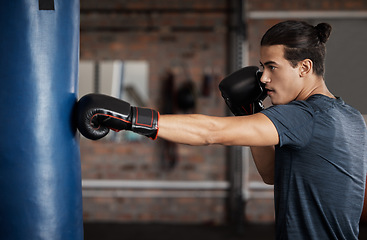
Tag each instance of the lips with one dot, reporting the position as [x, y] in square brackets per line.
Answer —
[269, 91]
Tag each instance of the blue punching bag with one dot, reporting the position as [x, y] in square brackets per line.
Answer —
[40, 177]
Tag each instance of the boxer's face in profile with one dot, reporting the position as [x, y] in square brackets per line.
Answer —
[282, 80]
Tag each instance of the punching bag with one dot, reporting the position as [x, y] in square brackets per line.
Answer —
[40, 175]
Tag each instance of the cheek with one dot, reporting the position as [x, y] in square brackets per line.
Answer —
[287, 88]
[289, 80]
[283, 82]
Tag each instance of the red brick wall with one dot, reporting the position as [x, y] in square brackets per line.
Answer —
[168, 38]
[170, 34]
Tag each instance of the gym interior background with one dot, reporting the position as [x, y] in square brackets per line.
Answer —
[170, 55]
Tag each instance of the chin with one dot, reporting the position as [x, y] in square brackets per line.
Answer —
[274, 102]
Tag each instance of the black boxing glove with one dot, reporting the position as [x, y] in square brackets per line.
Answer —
[243, 92]
[97, 114]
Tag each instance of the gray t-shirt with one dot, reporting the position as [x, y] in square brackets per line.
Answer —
[320, 169]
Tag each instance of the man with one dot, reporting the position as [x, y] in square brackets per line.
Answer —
[309, 144]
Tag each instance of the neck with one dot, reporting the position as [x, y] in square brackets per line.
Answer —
[316, 86]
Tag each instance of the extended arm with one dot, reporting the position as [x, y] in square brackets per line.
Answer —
[196, 129]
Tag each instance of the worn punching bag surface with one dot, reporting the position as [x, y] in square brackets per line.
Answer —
[40, 179]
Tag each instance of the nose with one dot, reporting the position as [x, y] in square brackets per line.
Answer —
[264, 78]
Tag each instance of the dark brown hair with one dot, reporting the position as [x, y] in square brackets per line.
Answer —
[301, 41]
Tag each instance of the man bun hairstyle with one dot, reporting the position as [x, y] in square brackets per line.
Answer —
[323, 32]
[301, 41]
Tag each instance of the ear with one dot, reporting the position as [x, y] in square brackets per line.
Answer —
[305, 67]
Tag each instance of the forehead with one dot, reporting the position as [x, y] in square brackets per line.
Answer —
[274, 53]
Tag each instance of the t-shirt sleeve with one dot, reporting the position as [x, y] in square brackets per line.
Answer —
[294, 123]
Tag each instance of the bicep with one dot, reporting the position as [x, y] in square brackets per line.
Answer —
[252, 130]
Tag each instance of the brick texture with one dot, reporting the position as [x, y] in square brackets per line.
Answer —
[170, 36]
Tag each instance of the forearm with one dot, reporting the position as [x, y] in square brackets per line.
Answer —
[191, 129]
[264, 158]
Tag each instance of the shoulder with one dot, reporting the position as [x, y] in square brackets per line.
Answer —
[294, 122]
[292, 110]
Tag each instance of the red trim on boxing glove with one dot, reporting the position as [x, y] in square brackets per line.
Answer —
[108, 116]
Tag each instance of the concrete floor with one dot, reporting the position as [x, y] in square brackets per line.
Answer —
[115, 231]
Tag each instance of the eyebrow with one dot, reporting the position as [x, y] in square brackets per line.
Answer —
[268, 63]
